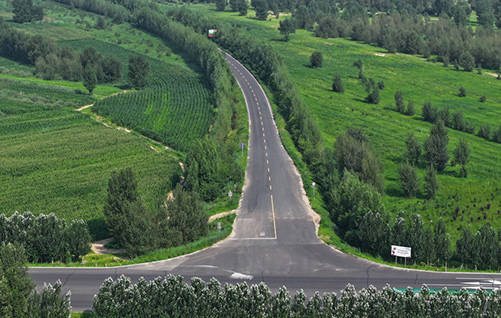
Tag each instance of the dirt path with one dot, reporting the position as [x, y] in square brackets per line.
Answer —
[114, 94]
[98, 247]
[220, 215]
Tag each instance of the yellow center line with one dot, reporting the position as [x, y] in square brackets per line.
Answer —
[267, 162]
[265, 148]
[268, 170]
[269, 178]
[273, 214]
[266, 154]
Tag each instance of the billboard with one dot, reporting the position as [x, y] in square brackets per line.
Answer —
[211, 32]
[401, 251]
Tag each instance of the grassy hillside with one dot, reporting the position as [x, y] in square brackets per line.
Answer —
[420, 81]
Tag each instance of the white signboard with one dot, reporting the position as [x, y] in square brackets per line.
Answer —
[400, 251]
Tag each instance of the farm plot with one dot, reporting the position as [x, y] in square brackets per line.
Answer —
[59, 161]
[175, 108]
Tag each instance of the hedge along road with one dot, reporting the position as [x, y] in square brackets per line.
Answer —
[274, 239]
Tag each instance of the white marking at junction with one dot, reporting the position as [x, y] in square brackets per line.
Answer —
[241, 276]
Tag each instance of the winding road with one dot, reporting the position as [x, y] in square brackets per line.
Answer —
[274, 239]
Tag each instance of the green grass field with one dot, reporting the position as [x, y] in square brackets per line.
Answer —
[420, 81]
[59, 161]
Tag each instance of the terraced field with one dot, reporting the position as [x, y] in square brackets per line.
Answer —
[174, 109]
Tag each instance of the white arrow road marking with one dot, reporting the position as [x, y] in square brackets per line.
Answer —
[241, 276]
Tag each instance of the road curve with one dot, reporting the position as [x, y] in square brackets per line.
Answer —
[274, 239]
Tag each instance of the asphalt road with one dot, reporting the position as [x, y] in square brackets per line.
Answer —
[274, 239]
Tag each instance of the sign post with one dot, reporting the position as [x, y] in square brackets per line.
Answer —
[401, 251]
[242, 146]
[313, 185]
[230, 194]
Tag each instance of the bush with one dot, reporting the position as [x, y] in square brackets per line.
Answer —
[410, 109]
[373, 98]
[485, 132]
[482, 98]
[462, 91]
[337, 84]
[316, 59]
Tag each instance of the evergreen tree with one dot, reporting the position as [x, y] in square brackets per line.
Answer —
[316, 59]
[462, 91]
[286, 27]
[138, 71]
[373, 97]
[25, 11]
[261, 7]
[221, 5]
[465, 248]
[399, 102]
[187, 217]
[89, 78]
[408, 180]
[122, 204]
[431, 185]
[467, 61]
[430, 113]
[436, 146]
[337, 84]
[413, 149]
[442, 241]
[15, 282]
[242, 7]
[410, 109]
[462, 157]
[496, 136]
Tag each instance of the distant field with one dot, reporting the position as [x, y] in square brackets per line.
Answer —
[420, 81]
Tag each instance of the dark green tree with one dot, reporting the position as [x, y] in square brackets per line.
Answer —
[465, 248]
[467, 61]
[352, 201]
[187, 217]
[316, 59]
[234, 5]
[462, 157]
[442, 242]
[204, 173]
[431, 185]
[25, 11]
[415, 237]
[138, 71]
[243, 6]
[353, 153]
[374, 232]
[409, 181]
[429, 113]
[15, 282]
[261, 7]
[462, 91]
[496, 135]
[287, 26]
[373, 97]
[122, 203]
[111, 70]
[78, 238]
[410, 108]
[436, 146]
[337, 84]
[221, 5]
[413, 152]
[89, 77]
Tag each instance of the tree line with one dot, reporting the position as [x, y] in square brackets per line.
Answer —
[179, 220]
[171, 297]
[51, 61]
[45, 238]
[18, 295]
[452, 43]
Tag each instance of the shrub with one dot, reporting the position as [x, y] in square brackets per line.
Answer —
[316, 59]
